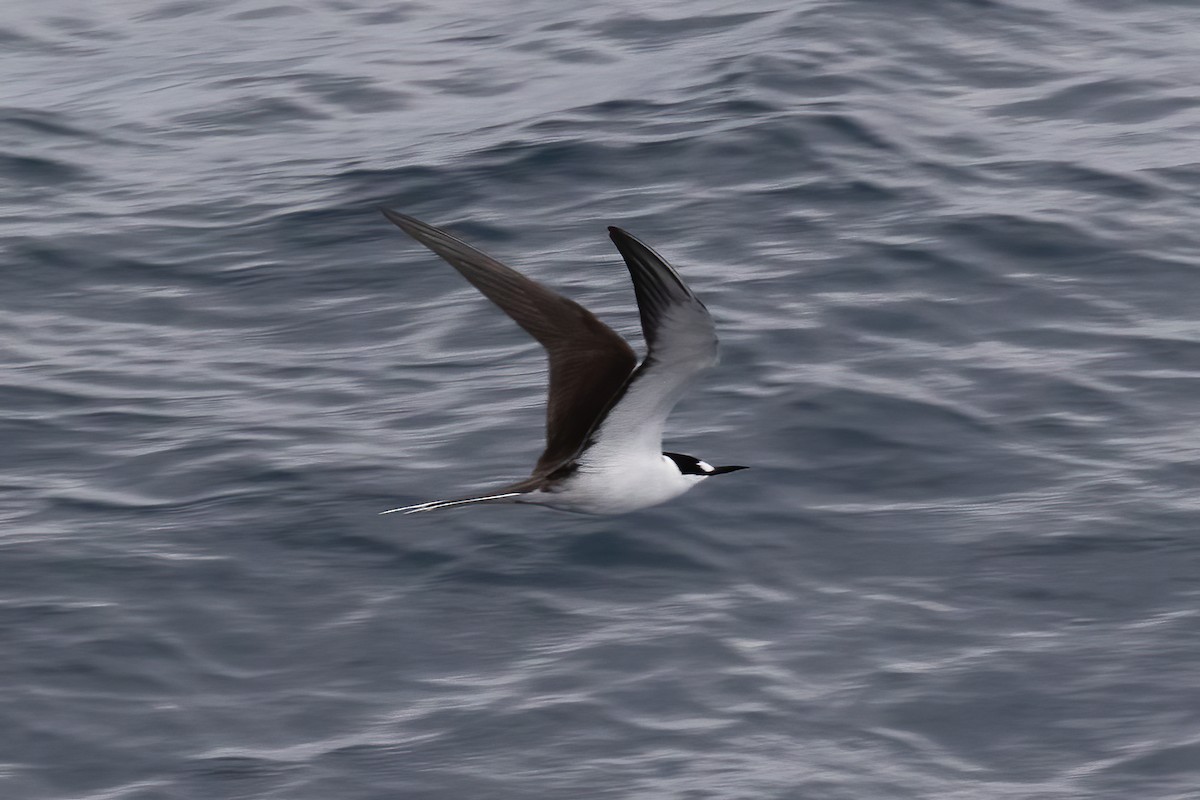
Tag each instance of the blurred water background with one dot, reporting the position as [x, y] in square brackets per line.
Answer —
[953, 251]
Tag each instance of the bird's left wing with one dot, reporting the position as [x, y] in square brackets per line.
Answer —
[588, 361]
[681, 342]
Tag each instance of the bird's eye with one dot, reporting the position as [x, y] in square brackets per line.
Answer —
[704, 465]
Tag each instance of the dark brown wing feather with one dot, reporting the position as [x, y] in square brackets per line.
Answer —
[589, 362]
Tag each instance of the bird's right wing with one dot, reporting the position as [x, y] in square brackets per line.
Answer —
[682, 342]
[589, 362]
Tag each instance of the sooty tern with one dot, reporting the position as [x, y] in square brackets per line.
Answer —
[605, 414]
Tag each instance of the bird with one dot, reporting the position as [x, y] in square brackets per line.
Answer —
[604, 412]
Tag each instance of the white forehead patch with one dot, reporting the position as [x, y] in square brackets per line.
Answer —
[704, 465]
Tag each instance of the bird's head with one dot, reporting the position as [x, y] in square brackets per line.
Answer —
[697, 469]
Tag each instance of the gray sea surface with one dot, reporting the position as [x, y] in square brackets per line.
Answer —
[953, 252]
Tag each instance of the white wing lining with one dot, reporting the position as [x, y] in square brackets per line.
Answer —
[682, 343]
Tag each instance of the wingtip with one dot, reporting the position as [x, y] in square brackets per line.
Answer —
[395, 217]
[410, 225]
[641, 258]
[616, 233]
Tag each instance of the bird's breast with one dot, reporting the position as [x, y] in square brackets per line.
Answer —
[617, 488]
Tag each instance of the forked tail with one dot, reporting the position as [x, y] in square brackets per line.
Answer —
[506, 497]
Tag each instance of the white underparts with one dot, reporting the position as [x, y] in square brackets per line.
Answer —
[617, 488]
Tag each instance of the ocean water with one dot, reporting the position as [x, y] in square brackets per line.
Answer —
[953, 252]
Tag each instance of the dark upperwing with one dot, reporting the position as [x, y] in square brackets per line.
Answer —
[589, 362]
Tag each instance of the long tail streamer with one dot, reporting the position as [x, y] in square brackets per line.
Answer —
[436, 504]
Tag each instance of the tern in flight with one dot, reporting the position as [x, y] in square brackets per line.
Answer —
[605, 413]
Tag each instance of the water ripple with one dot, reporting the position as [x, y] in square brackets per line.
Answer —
[952, 261]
